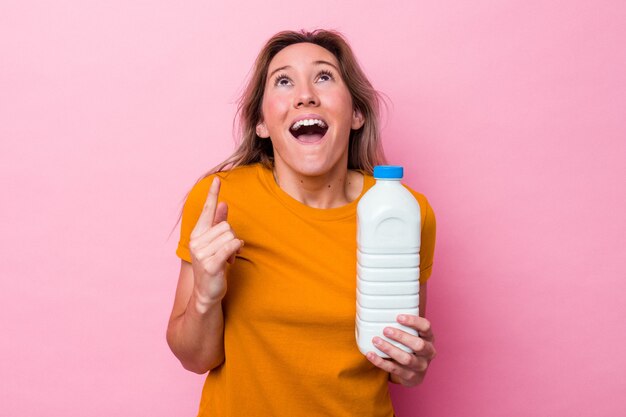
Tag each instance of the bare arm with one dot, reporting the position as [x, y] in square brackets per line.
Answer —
[195, 337]
[195, 332]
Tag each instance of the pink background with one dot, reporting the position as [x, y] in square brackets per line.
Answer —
[509, 116]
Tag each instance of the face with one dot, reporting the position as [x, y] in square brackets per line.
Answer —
[307, 112]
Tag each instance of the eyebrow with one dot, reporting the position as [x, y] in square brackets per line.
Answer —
[319, 62]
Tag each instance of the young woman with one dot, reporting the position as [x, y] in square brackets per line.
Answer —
[266, 293]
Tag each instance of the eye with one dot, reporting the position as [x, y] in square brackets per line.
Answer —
[282, 79]
[325, 75]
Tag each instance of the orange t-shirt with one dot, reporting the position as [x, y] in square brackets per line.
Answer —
[289, 311]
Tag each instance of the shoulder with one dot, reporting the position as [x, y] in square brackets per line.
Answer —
[427, 213]
[421, 198]
[425, 207]
[234, 182]
[234, 176]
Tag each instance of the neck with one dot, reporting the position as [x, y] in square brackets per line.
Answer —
[332, 189]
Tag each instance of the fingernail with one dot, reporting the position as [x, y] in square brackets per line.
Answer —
[388, 332]
[401, 318]
[377, 341]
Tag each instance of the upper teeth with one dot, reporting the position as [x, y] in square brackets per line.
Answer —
[307, 122]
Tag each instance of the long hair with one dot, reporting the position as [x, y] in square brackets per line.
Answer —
[364, 148]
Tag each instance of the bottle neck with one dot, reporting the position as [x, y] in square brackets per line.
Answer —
[388, 181]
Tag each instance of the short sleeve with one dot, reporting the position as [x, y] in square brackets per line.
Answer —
[191, 213]
[428, 234]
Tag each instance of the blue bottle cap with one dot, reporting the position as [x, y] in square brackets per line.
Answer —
[393, 172]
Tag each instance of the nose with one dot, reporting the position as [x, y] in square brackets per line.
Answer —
[306, 97]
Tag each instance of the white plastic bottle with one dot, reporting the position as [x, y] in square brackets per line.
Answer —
[388, 242]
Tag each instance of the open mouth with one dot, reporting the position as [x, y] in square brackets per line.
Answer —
[308, 130]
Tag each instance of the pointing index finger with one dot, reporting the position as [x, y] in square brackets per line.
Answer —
[205, 221]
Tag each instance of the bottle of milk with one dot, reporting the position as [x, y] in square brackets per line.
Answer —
[388, 245]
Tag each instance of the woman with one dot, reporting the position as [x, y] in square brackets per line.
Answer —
[266, 292]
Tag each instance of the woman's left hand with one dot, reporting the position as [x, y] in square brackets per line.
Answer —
[406, 368]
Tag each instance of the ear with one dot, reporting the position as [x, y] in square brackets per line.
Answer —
[261, 130]
[357, 119]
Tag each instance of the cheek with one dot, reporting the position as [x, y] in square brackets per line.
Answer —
[273, 107]
[346, 112]
[342, 103]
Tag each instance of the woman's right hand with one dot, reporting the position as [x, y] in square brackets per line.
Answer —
[212, 244]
